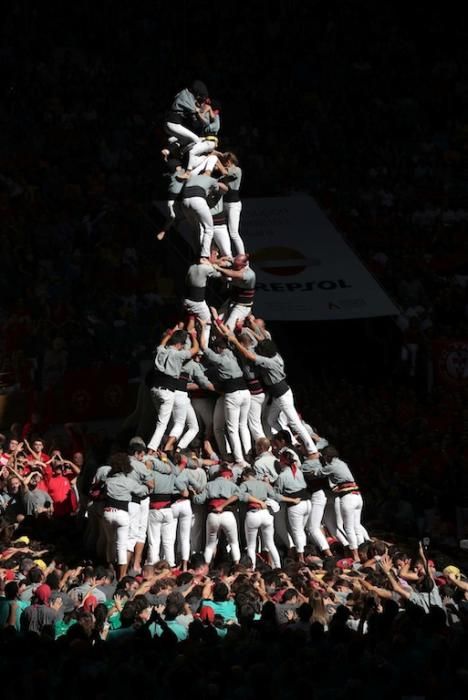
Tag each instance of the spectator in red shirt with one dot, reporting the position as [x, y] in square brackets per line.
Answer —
[60, 489]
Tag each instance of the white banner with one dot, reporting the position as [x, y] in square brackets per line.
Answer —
[305, 269]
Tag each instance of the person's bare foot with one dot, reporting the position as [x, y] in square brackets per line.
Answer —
[160, 235]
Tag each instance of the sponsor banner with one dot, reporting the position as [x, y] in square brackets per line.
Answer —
[450, 362]
[305, 269]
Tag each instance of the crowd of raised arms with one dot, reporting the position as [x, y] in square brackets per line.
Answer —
[236, 513]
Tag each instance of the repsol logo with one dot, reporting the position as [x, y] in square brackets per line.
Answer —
[313, 286]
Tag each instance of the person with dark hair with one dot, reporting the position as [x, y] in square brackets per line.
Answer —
[170, 356]
[120, 488]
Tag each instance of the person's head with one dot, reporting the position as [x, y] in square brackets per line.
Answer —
[178, 339]
[42, 594]
[13, 445]
[220, 592]
[240, 261]
[262, 444]
[288, 458]
[230, 159]
[53, 581]
[248, 473]
[34, 480]
[78, 458]
[11, 590]
[245, 339]
[142, 609]
[13, 485]
[35, 575]
[198, 565]
[220, 344]
[175, 605]
[266, 348]
[329, 453]
[26, 565]
[119, 464]
[290, 596]
[282, 438]
[136, 449]
[199, 91]
[38, 445]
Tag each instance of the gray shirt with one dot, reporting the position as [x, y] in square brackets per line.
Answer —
[272, 368]
[258, 489]
[219, 488]
[337, 471]
[121, 488]
[197, 276]
[265, 467]
[169, 360]
[205, 182]
[139, 472]
[288, 483]
[37, 498]
[247, 281]
[226, 362]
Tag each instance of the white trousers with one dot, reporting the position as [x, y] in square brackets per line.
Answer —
[350, 507]
[183, 134]
[233, 212]
[262, 520]
[255, 416]
[318, 502]
[118, 522]
[182, 523]
[202, 148]
[222, 240]
[138, 515]
[163, 400]
[238, 312]
[183, 414]
[334, 521]
[298, 517]
[202, 163]
[225, 521]
[236, 411]
[198, 212]
[285, 404]
[200, 310]
[161, 536]
[192, 428]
